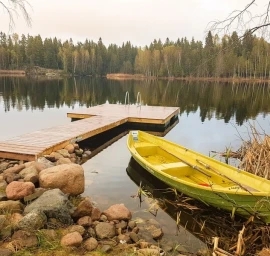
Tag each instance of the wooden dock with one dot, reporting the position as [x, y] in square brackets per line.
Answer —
[103, 118]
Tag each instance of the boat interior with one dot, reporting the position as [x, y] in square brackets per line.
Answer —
[175, 168]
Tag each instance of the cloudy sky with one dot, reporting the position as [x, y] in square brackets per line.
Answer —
[116, 21]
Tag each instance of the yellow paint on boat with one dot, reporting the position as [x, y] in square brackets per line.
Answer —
[202, 177]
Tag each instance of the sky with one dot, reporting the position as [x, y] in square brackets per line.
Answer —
[118, 21]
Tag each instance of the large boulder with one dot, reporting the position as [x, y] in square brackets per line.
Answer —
[105, 230]
[118, 212]
[67, 177]
[17, 190]
[11, 206]
[34, 220]
[55, 204]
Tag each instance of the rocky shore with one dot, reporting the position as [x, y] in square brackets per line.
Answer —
[42, 213]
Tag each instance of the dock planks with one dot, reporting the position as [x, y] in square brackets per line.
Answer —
[136, 114]
[95, 120]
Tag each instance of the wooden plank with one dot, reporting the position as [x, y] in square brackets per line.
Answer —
[103, 118]
[17, 156]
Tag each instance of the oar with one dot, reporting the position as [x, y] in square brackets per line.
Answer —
[194, 167]
[207, 166]
[189, 164]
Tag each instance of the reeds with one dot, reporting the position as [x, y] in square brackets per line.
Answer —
[255, 154]
[231, 236]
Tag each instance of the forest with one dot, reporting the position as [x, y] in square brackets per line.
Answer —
[226, 57]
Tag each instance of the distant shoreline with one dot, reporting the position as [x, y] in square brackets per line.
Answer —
[122, 76]
[4, 72]
[119, 76]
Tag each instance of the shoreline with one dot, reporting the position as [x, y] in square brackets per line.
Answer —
[119, 76]
[122, 77]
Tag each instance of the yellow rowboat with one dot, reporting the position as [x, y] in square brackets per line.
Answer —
[201, 177]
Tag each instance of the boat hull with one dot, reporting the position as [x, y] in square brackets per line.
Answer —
[244, 204]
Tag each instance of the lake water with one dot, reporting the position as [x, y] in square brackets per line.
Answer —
[212, 117]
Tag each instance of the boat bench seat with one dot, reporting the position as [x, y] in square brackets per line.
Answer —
[174, 165]
[145, 148]
[176, 169]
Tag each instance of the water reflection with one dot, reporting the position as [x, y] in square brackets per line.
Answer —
[218, 100]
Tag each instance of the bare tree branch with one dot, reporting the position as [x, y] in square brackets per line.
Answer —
[245, 20]
[16, 7]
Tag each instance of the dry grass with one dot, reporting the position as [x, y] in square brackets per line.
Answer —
[255, 154]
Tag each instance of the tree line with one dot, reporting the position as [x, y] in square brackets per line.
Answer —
[229, 56]
[226, 101]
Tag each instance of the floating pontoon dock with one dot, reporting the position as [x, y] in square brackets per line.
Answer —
[94, 120]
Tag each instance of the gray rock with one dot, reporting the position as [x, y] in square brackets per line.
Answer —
[3, 219]
[23, 239]
[157, 233]
[15, 169]
[92, 232]
[55, 204]
[78, 152]
[103, 218]
[38, 192]
[3, 185]
[134, 237]
[3, 196]
[9, 177]
[63, 161]
[3, 166]
[167, 248]
[153, 222]
[124, 238]
[148, 251]
[5, 252]
[33, 221]
[11, 206]
[56, 155]
[63, 152]
[122, 224]
[87, 152]
[77, 228]
[132, 224]
[106, 248]
[50, 234]
[50, 158]
[5, 232]
[46, 162]
[30, 174]
[105, 230]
